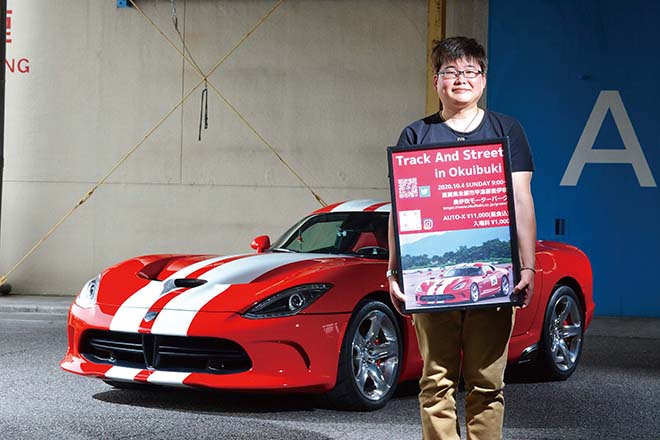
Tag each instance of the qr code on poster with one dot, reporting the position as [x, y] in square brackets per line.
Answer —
[408, 188]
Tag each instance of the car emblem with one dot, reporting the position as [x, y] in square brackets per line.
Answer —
[150, 316]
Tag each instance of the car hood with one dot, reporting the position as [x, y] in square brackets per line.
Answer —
[450, 281]
[233, 269]
[439, 285]
[196, 282]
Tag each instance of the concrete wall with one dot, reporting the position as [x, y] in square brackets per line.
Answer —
[467, 18]
[328, 83]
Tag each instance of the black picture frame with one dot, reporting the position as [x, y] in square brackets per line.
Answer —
[440, 288]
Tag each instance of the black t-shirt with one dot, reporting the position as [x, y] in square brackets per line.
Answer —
[432, 130]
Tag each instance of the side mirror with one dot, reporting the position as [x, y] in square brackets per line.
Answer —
[261, 243]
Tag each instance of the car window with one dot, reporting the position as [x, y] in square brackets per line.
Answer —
[318, 237]
[361, 233]
[464, 272]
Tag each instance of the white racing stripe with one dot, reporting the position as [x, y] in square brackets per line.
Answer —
[171, 378]
[439, 286]
[178, 314]
[122, 373]
[246, 270]
[129, 315]
[356, 205]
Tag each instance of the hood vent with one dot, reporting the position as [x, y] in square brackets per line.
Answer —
[152, 270]
[186, 283]
[189, 283]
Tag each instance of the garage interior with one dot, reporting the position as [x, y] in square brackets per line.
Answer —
[194, 126]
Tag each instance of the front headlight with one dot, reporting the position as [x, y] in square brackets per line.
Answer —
[87, 296]
[459, 285]
[288, 302]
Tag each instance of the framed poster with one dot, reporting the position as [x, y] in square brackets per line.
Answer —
[454, 223]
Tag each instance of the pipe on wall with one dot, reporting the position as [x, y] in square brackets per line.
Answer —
[4, 288]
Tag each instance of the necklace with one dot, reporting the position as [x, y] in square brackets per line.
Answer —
[458, 134]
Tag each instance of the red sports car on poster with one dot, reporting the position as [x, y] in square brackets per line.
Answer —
[464, 282]
[309, 312]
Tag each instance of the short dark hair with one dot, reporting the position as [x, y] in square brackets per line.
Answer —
[456, 48]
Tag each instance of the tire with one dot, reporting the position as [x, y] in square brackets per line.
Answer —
[505, 290]
[474, 293]
[370, 359]
[563, 334]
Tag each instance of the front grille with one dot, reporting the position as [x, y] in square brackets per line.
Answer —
[435, 297]
[166, 353]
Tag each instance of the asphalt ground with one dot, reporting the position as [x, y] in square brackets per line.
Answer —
[614, 394]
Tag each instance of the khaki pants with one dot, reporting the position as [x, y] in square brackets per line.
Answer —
[482, 335]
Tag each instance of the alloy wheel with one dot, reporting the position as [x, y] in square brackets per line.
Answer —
[505, 286]
[474, 293]
[565, 330]
[375, 355]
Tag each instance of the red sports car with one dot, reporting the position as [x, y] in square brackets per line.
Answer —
[309, 312]
[464, 282]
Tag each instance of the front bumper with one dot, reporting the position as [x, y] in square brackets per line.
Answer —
[294, 353]
[423, 299]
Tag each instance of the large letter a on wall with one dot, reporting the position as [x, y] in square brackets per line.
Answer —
[631, 153]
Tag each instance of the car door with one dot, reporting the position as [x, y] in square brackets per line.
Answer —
[490, 281]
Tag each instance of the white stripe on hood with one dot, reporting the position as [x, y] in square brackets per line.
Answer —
[177, 315]
[129, 315]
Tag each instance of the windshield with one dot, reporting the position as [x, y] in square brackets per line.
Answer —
[464, 272]
[359, 233]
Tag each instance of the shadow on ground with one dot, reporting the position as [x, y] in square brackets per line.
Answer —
[204, 401]
[209, 401]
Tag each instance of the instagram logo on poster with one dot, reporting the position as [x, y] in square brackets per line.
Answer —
[427, 224]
